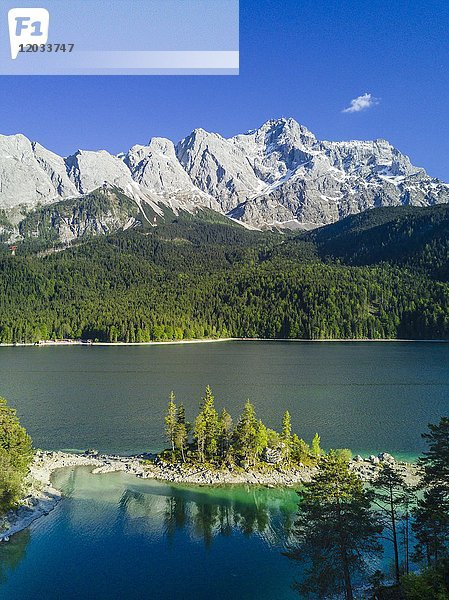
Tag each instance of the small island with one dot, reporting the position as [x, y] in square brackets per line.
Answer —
[212, 451]
[218, 446]
[216, 451]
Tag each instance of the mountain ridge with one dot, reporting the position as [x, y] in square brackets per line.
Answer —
[279, 176]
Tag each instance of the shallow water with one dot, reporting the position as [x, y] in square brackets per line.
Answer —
[116, 536]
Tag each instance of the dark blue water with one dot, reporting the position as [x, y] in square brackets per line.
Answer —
[117, 537]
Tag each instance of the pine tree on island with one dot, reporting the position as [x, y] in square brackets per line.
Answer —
[287, 434]
[181, 431]
[170, 421]
[215, 441]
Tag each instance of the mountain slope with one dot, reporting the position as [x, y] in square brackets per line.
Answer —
[104, 211]
[99, 212]
[193, 278]
[406, 236]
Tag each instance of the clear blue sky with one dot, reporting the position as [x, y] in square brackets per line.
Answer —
[300, 58]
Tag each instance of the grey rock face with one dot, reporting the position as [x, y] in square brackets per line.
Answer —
[279, 175]
[29, 174]
[218, 167]
[90, 170]
[156, 168]
[321, 182]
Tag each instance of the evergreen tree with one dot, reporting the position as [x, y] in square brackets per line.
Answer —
[199, 435]
[224, 433]
[336, 531]
[170, 421]
[274, 440]
[435, 461]
[431, 583]
[300, 452]
[182, 429]
[246, 435]
[181, 417]
[391, 496]
[315, 449]
[431, 516]
[287, 434]
[181, 439]
[16, 454]
[431, 526]
[261, 440]
[209, 417]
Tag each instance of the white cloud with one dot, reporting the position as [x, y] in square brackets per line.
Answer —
[360, 103]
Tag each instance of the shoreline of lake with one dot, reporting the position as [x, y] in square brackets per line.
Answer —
[43, 497]
[70, 343]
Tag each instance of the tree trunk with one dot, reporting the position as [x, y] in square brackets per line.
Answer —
[407, 543]
[347, 577]
[344, 558]
[395, 537]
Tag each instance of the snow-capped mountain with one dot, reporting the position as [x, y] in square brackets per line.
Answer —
[310, 183]
[279, 175]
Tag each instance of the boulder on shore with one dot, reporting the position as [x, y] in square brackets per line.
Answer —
[386, 458]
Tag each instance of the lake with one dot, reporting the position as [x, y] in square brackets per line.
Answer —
[363, 396]
[115, 536]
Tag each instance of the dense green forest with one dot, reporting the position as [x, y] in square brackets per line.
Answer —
[16, 454]
[381, 274]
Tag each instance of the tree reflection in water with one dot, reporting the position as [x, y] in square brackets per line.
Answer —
[208, 516]
[13, 552]
[205, 514]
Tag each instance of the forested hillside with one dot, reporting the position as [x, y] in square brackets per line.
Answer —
[407, 236]
[377, 275]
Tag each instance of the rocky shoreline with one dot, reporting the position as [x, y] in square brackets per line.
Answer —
[42, 497]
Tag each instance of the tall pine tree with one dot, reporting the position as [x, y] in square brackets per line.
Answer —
[206, 428]
[336, 532]
[431, 516]
[170, 421]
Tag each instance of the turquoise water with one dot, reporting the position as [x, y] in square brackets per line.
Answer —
[115, 536]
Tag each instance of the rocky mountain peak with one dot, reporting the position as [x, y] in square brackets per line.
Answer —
[278, 175]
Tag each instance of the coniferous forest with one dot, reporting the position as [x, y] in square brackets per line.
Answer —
[382, 274]
[214, 439]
